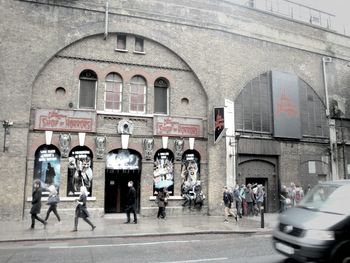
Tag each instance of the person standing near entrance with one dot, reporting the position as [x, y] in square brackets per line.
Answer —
[131, 203]
[36, 204]
[162, 200]
[250, 199]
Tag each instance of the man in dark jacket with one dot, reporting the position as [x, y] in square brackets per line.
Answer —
[36, 204]
[131, 203]
[227, 200]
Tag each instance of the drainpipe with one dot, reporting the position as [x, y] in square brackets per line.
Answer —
[106, 22]
[331, 124]
[324, 61]
[344, 153]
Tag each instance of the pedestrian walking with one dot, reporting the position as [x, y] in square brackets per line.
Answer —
[291, 193]
[228, 200]
[308, 188]
[131, 203]
[242, 192]
[284, 199]
[36, 204]
[260, 197]
[299, 194]
[81, 210]
[52, 201]
[237, 200]
[162, 199]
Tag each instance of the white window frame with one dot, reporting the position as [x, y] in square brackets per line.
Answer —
[121, 93]
[144, 99]
[126, 41]
[143, 46]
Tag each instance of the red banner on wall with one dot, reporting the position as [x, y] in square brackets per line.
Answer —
[65, 120]
[177, 126]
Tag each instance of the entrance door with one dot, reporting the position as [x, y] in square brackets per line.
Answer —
[116, 189]
[261, 172]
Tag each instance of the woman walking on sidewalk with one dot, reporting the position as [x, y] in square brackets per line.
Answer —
[36, 204]
[81, 210]
[52, 201]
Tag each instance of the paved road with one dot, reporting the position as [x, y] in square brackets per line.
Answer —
[167, 249]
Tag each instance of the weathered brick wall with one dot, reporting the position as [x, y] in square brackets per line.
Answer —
[219, 47]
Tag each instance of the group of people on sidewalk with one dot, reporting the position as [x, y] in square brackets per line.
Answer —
[53, 199]
[291, 196]
[80, 210]
[243, 200]
[238, 201]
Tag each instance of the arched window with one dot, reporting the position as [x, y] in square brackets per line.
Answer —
[138, 88]
[254, 111]
[312, 111]
[161, 96]
[113, 92]
[87, 91]
[253, 106]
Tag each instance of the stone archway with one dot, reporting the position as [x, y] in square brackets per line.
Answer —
[258, 171]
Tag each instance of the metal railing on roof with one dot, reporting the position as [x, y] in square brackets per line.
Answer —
[297, 12]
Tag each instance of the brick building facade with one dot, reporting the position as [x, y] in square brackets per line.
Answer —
[76, 79]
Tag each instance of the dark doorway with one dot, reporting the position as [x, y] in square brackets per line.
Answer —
[116, 189]
[122, 166]
[255, 180]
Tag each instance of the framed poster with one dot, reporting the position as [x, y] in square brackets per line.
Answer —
[219, 123]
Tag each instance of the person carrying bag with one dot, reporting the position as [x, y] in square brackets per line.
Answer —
[52, 201]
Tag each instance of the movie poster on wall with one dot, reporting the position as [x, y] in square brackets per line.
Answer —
[190, 169]
[80, 170]
[47, 167]
[123, 159]
[163, 173]
[219, 123]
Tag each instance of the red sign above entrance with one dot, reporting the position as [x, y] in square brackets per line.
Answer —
[65, 120]
[177, 126]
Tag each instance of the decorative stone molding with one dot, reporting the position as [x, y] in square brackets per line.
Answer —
[148, 145]
[179, 146]
[100, 142]
[125, 127]
[64, 143]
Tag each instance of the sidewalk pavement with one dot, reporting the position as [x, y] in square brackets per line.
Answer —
[113, 226]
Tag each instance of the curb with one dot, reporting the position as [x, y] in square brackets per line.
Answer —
[205, 232]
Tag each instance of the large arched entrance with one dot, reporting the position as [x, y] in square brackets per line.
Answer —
[122, 166]
[262, 172]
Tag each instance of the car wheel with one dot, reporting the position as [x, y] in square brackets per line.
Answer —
[342, 255]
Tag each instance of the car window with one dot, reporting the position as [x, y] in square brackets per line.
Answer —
[328, 198]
